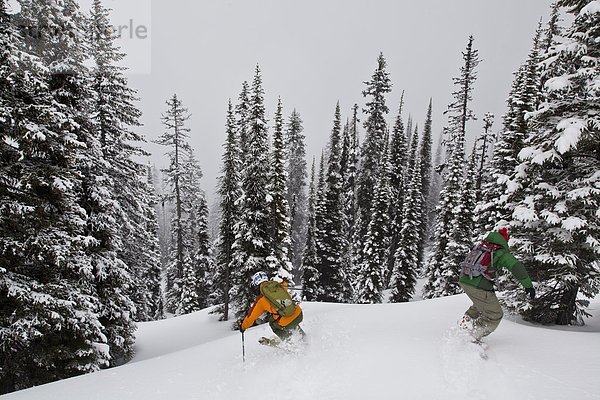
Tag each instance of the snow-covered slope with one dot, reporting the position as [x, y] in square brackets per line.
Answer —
[388, 351]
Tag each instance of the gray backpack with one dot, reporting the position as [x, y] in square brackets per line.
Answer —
[479, 261]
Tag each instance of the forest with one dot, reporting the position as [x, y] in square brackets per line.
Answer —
[85, 254]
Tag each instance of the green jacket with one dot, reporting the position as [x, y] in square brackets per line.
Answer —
[502, 259]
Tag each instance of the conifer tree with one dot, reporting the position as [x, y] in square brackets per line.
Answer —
[442, 276]
[349, 168]
[153, 274]
[498, 188]
[374, 254]
[310, 260]
[296, 195]
[229, 192]
[398, 164]
[375, 126]
[280, 229]
[333, 243]
[175, 137]
[426, 171]
[254, 238]
[39, 192]
[407, 257]
[114, 117]
[242, 111]
[556, 213]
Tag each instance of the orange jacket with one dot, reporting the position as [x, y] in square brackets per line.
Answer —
[262, 305]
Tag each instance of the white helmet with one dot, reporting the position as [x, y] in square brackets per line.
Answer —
[259, 278]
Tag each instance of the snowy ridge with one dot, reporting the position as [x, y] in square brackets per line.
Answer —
[387, 351]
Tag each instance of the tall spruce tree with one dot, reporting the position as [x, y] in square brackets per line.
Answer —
[229, 192]
[253, 239]
[113, 117]
[426, 171]
[374, 254]
[398, 163]
[407, 258]
[556, 209]
[279, 218]
[310, 260]
[376, 127]
[332, 243]
[442, 272]
[60, 336]
[296, 195]
[175, 137]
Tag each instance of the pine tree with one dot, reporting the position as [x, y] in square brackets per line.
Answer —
[310, 260]
[296, 195]
[242, 111]
[556, 213]
[376, 128]
[426, 171]
[253, 240]
[229, 192]
[333, 243]
[153, 273]
[374, 254]
[113, 117]
[349, 172]
[195, 285]
[175, 137]
[398, 164]
[280, 229]
[442, 276]
[407, 257]
[60, 336]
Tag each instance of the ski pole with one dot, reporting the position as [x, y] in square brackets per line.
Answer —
[243, 348]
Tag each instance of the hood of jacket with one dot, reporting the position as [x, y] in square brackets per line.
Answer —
[496, 238]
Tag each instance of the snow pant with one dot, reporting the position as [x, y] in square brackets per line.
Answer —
[285, 332]
[485, 312]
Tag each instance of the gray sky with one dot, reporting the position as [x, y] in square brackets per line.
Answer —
[313, 53]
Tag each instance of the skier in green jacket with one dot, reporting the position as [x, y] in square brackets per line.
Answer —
[477, 281]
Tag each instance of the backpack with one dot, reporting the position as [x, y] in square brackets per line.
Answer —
[279, 298]
[480, 261]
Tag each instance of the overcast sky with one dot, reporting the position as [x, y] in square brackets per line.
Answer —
[313, 53]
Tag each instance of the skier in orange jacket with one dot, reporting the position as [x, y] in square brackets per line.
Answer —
[282, 326]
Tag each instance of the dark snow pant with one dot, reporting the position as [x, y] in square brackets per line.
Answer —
[285, 332]
[485, 312]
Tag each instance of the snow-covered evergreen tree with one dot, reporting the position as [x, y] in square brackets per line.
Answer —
[497, 188]
[49, 311]
[426, 171]
[243, 120]
[196, 282]
[398, 163]
[374, 255]
[332, 243]
[175, 137]
[229, 192]
[556, 216]
[376, 127]
[253, 238]
[442, 274]
[406, 266]
[310, 260]
[114, 115]
[349, 170]
[296, 195]
[279, 218]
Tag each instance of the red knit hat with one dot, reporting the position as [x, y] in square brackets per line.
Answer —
[504, 233]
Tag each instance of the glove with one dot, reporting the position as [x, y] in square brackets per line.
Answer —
[242, 330]
[531, 292]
